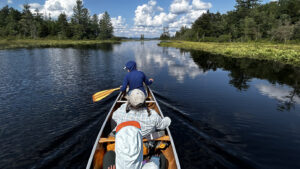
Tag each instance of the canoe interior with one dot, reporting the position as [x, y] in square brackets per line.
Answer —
[102, 147]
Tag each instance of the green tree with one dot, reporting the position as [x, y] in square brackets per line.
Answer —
[12, 26]
[296, 35]
[95, 27]
[80, 20]
[250, 30]
[285, 29]
[64, 30]
[4, 12]
[106, 28]
[26, 21]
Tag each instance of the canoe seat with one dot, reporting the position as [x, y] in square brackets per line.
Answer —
[124, 101]
[112, 139]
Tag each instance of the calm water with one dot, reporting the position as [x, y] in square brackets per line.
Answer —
[226, 113]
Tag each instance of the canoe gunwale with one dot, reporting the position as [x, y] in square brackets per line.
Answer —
[88, 166]
[169, 133]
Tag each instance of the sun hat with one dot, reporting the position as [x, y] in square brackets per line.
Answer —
[129, 148]
[136, 97]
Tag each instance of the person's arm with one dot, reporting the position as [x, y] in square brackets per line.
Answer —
[161, 123]
[125, 83]
[147, 81]
[118, 113]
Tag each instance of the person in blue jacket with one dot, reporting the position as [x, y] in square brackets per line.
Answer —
[134, 78]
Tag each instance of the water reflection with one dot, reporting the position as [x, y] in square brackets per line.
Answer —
[179, 64]
[242, 71]
[285, 95]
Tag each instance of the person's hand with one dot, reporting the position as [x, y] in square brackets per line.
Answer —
[112, 167]
[152, 80]
[121, 86]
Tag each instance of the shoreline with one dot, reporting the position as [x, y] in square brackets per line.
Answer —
[44, 43]
[283, 53]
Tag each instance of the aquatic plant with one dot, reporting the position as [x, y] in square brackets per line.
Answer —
[284, 53]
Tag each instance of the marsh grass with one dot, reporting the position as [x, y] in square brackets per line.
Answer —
[284, 53]
[29, 43]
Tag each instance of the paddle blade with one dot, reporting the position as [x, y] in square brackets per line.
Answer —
[102, 94]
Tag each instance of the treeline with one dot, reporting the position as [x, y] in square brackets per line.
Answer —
[33, 25]
[250, 21]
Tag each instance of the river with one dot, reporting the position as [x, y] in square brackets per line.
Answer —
[226, 112]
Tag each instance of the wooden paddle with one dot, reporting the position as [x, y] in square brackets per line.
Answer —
[102, 94]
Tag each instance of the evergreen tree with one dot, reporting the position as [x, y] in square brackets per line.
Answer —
[64, 31]
[26, 21]
[79, 20]
[106, 28]
[12, 26]
[95, 27]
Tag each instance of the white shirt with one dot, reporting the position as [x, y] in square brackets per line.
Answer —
[148, 124]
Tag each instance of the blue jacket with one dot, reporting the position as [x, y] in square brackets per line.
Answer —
[134, 78]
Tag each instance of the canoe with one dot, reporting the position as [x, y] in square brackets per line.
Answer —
[105, 142]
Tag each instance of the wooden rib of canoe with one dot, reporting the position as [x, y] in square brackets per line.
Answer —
[103, 138]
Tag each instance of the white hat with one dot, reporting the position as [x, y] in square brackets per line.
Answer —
[136, 97]
[129, 148]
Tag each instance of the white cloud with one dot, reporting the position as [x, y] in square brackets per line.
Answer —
[9, 1]
[55, 7]
[120, 26]
[179, 6]
[181, 13]
[145, 15]
[100, 15]
[35, 6]
[198, 4]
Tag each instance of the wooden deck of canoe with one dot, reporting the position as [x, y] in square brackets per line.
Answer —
[103, 141]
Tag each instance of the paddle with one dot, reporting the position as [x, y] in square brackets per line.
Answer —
[102, 94]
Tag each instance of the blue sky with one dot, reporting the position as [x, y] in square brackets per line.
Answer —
[134, 17]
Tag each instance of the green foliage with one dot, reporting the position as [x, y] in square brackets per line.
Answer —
[33, 25]
[284, 53]
[106, 28]
[250, 21]
[225, 38]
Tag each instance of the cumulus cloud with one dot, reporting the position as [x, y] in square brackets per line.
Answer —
[120, 26]
[181, 13]
[146, 15]
[55, 7]
[179, 6]
[9, 1]
[197, 4]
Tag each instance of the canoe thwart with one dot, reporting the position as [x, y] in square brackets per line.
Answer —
[112, 139]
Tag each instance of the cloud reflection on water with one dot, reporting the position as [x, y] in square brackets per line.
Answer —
[179, 65]
[280, 93]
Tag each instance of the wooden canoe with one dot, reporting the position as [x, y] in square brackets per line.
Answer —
[102, 141]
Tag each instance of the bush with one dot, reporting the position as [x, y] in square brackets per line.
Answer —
[116, 38]
[224, 38]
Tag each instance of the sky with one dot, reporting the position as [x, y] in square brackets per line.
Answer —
[131, 18]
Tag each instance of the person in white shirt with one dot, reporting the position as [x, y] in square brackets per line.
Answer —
[136, 110]
[129, 149]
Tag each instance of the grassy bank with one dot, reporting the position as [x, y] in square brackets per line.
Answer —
[284, 53]
[30, 43]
